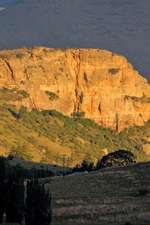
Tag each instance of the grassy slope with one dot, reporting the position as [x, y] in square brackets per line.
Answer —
[116, 196]
[46, 136]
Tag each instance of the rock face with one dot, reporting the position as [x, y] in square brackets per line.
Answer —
[97, 83]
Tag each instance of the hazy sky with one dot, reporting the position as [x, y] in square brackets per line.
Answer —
[122, 26]
[4, 2]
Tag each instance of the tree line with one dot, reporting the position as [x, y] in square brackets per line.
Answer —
[117, 158]
[22, 201]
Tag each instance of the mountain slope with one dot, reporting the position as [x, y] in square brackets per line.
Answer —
[80, 83]
[112, 196]
[93, 83]
[48, 136]
[122, 27]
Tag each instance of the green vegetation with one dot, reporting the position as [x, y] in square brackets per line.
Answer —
[49, 136]
[12, 94]
[78, 114]
[117, 158]
[52, 96]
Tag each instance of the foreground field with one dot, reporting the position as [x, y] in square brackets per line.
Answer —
[117, 196]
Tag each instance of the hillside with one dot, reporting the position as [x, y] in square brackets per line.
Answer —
[93, 83]
[48, 96]
[49, 136]
[116, 196]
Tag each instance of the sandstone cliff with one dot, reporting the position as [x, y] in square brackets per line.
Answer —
[97, 83]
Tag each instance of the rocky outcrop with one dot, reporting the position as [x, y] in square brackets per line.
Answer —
[97, 83]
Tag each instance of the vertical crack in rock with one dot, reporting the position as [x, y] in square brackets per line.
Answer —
[10, 69]
[79, 96]
[100, 108]
[32, 102]
[26, 74]
[117, 122]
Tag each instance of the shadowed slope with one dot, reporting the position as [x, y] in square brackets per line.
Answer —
[116, 196]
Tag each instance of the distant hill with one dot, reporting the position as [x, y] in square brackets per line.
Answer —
[116, 196]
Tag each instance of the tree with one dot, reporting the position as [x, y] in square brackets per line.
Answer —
[117, 158]
[14, 200]
[38, 204]
[2, 186]
[2, 200]
[85, 166]
[2, 168]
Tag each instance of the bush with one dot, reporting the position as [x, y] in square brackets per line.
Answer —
[13, 94]
[117, 158]
[113, 71]
[78, 114]
[85, 166]
[52, 96]
[142, 192]
[23, 93]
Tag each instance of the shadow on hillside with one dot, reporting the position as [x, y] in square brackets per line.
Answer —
[55, 170]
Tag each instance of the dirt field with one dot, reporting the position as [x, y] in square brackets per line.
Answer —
[117, 196]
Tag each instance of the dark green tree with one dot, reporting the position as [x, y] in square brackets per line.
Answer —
[2, 186]
[2, 200]
[14, 200]
[38, 204]
[85, 166]
[117, 158]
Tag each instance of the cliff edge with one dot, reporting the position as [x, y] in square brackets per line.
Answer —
[93, 83]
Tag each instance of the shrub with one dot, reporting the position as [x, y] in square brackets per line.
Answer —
[142, 192]
[52, 96]
[113, 71]
[78, 114]
[22, 111]
[143, 99]
[13, 94]
[85, 166]
[23, 93]
[117, 158]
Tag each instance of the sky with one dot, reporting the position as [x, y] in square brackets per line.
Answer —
[5, 2]
[122, 26]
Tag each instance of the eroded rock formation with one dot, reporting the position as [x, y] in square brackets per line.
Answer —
[94, 82]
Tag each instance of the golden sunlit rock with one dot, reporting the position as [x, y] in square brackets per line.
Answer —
[97, 83]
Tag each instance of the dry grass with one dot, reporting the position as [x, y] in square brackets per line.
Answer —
[117, 196]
